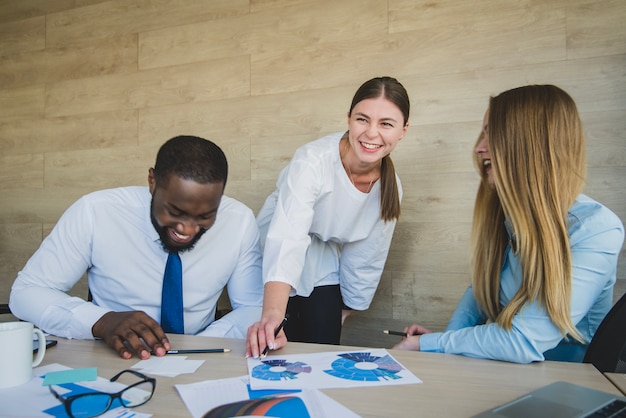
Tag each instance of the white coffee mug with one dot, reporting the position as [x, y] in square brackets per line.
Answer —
[16, 352]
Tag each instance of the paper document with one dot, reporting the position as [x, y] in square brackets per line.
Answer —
[201, 397]
[364, 368]
[32, 399]
[170, 366]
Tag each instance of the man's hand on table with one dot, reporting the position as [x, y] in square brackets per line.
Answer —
[134, 330]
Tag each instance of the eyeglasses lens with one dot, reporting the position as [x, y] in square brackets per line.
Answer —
[92, 405]
[137, 394]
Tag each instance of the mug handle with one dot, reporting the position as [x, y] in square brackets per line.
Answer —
[42, 346]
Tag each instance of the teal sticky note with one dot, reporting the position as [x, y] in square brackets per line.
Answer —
[87, 374]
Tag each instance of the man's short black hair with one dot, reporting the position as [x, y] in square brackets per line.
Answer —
[192, 158]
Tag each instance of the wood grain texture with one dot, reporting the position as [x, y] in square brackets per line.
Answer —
[17, 241]
[99, 169]
[89, 89]
[296, 26]
[22, 102]
[23, 35]
[312, 113]
[25, 170]
[604, 135]
[14, 10]
[423, 51]
[115, 55]
[90, 131]
[596, 29]
[116, 17]
[171, 85]
[22, 205]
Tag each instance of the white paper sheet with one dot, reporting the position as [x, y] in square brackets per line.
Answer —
[201, 397]
[170, 366]
[341, 369]
[31, 399]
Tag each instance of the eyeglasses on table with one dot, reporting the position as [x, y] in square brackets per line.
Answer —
[92, 404]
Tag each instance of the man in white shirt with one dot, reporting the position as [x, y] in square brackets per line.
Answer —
[122, 238]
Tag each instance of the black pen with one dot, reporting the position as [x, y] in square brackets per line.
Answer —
[199, 351]
[400, 333]
[282, 324]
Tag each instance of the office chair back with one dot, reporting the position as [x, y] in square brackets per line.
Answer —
[4, 308]
[607, 350]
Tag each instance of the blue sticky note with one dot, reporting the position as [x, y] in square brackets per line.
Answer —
[87, 374]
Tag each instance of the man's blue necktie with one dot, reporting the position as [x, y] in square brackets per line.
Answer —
[172, 296]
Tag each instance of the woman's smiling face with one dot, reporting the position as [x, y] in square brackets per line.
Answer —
[375, 128]
[482, 150]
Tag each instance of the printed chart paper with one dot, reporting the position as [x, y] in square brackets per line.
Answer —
[32, 399]
[342, 369]
[203, 396]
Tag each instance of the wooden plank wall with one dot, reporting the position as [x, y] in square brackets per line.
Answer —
[89, 89]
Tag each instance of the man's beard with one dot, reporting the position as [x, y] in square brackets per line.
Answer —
[165, 238]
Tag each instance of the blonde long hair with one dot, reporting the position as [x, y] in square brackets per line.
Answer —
[537, 150]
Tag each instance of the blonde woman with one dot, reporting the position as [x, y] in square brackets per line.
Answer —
[544, 255]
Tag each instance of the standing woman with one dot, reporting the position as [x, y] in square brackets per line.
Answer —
[544, 255]
[327, 227]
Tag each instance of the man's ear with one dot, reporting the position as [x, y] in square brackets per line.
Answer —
[151, 180]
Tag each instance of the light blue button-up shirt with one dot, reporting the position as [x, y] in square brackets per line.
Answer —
[596, 236]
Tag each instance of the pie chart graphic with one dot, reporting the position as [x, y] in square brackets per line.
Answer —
[365, 367]
[279, 370]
